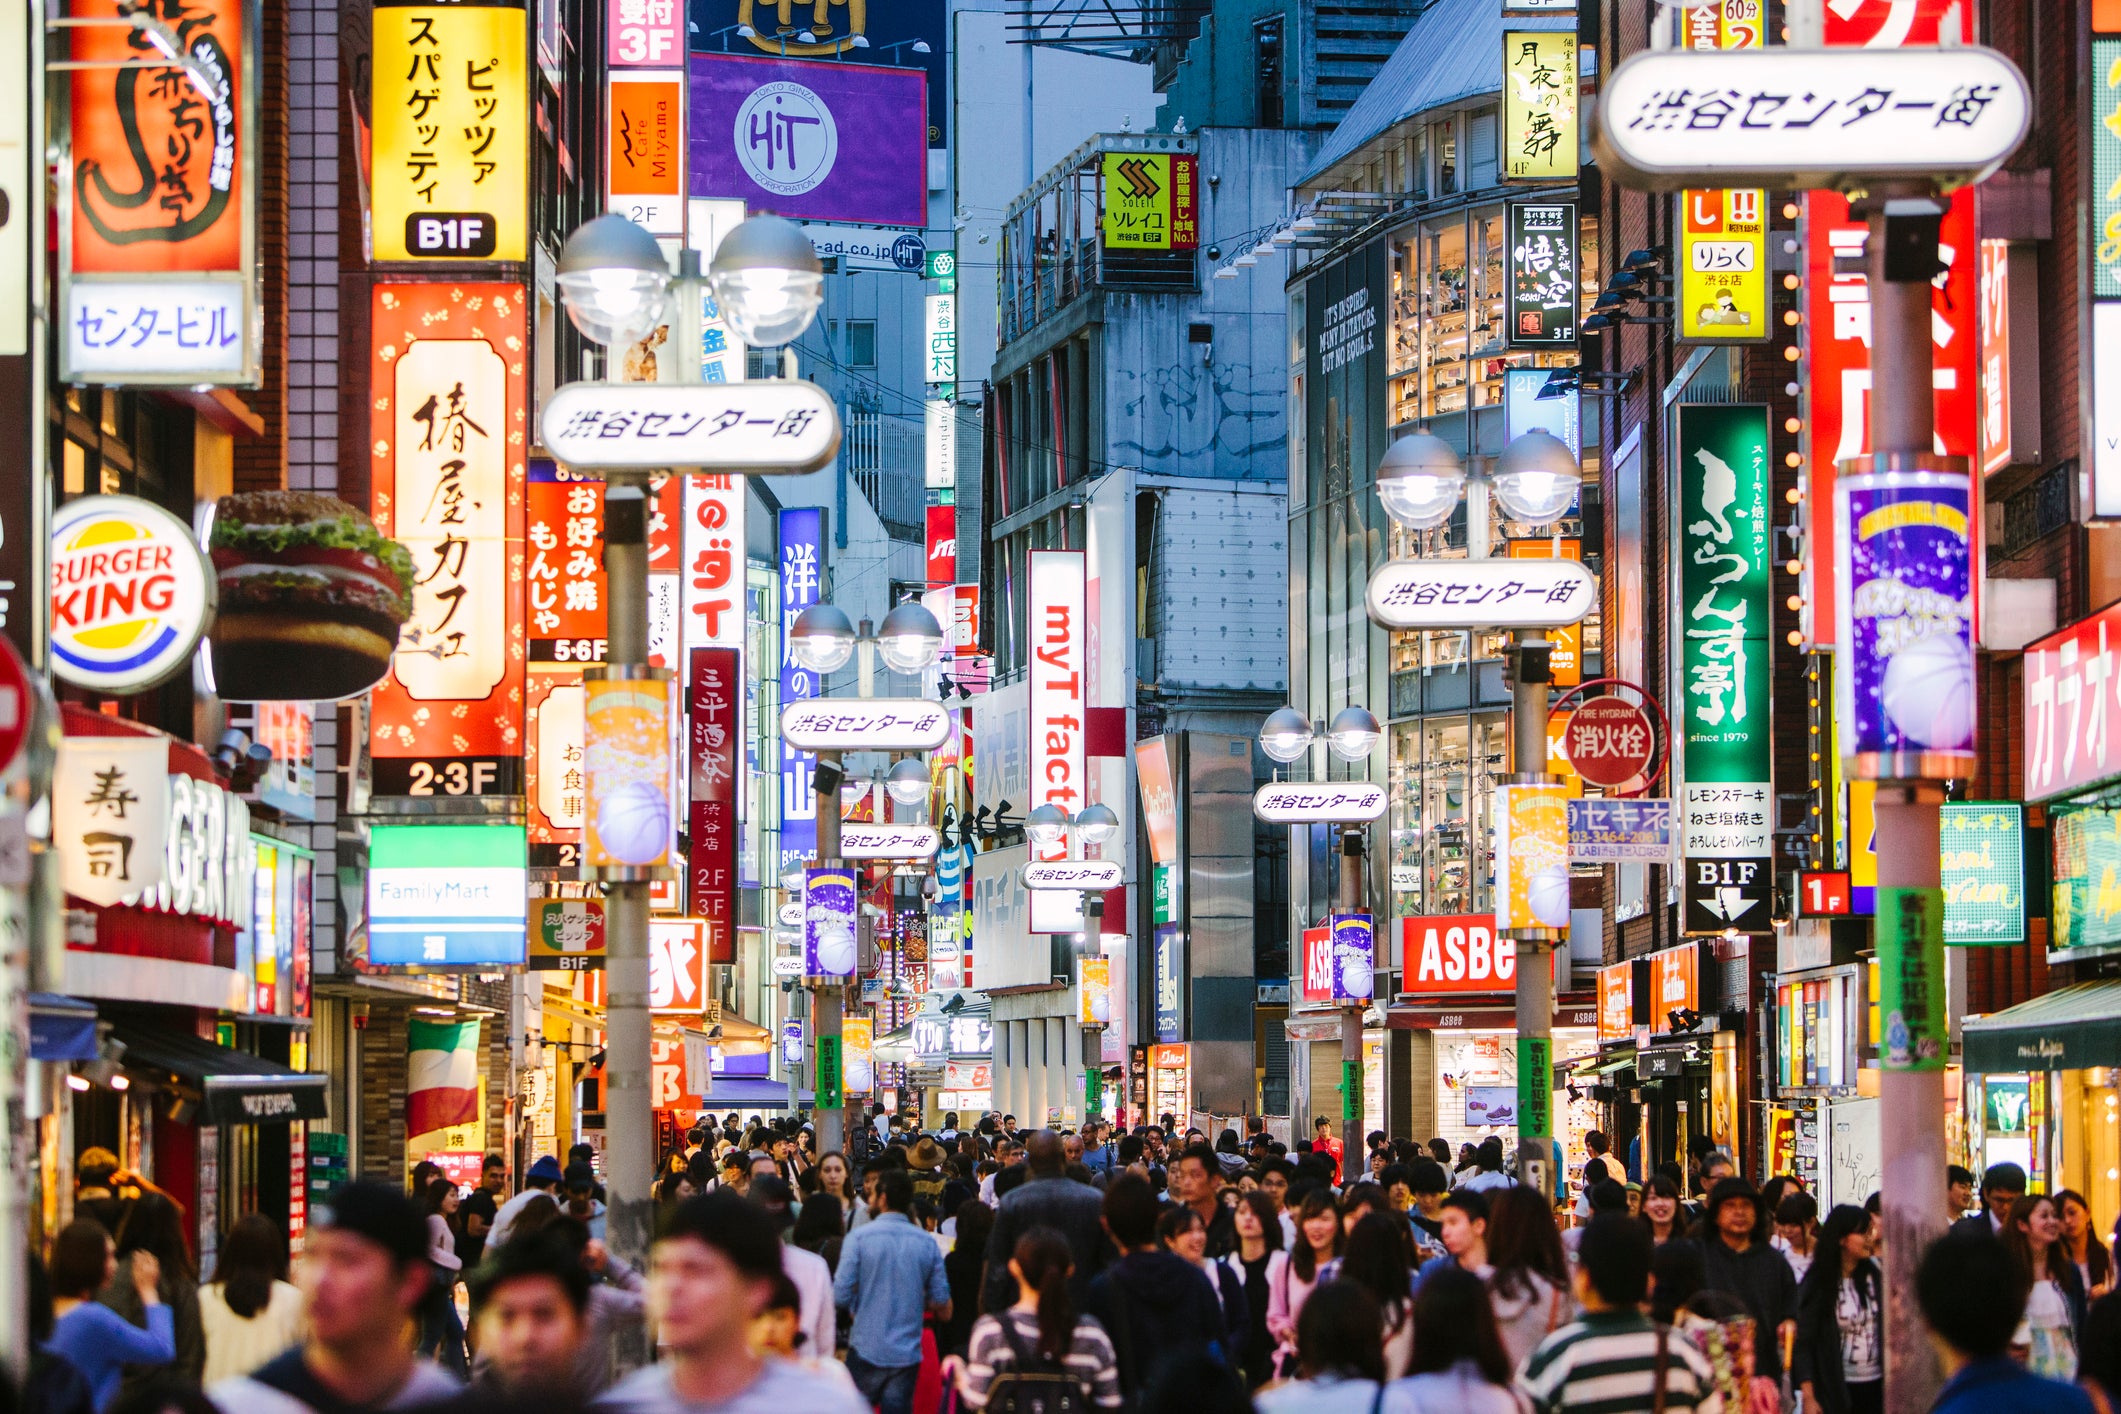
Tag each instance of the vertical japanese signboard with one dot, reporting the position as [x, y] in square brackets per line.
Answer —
[553, 762]
[940, 332]
[802, 584]
[1151, 201]
[1058, 696]
[447, 426]
[1723, 277]
[644, 173]
[1531, 825]
[1724, 622]
[644, 34]
[564, 578]
[1539, 137]
[1543, 298]
[2106, 167]
[715, 731]
[711, 591]
[449, 164]
[939, 424]
[2008, 280]
[157, 228]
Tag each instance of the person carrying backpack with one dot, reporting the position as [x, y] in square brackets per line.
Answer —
[1038, 1356]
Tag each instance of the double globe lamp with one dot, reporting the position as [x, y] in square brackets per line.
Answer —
[1420, 480]
[766, 279]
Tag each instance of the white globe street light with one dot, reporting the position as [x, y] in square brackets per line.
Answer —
[909, 639]
[1536, 479]
[1096, 824]
[908, 781]
[767, 280]
[1285, 735]
[614, 281]
[1419, 481]
[821, 639]
[1047, 825]
[1353, 733]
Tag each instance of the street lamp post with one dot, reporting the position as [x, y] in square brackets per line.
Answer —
[1534, 481]
[615, 283]
[1092, 827]
[1287, 736]
[823, 639]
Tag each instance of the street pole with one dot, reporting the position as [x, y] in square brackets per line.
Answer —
[828, 1000]
[629, 1121]
[1909, 923]
[1535, 973]
[1351, 897]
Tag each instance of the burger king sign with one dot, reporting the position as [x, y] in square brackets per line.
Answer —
[131, 593]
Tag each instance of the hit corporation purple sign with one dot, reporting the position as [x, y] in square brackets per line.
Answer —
[815, 141]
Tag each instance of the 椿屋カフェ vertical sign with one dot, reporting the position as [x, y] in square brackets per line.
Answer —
[1725, 569]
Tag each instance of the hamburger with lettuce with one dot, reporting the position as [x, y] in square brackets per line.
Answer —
[311, 597]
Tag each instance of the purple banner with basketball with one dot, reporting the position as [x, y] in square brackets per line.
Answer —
[813, 141]
[1906, 680]
[1354, 957]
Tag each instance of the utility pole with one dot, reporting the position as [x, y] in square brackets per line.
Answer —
[1529, 652]
[1351, 1075]
[1900, 257]
[828, 995]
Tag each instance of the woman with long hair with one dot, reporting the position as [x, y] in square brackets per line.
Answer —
[2054, 1307]
[441, 1328]
[250, 1311]
[1459, 1364]
[1377, 1260]
[1181, 1232]
[1258, 1247]
[1530, 1287]
[96, 1339]
[820, 1228]
[1840, 1347]
[1662, 1212]
[835, 1180]
[1317, 1246]
[1041, 1337]
[2081, 1244]
[1340, 1356]
[150, 1221]
[964, 1267]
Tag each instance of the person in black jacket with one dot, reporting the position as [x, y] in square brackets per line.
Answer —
[2001, 1186]
[1155, 1306]
[1736, 1259]
[1047, 1198]
[1840, 1349]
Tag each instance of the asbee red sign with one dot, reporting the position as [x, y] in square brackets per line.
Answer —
[1455, 953]
[1318, 964]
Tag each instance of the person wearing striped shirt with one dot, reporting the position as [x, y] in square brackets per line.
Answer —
[1615, 1359]
[1044, 1337]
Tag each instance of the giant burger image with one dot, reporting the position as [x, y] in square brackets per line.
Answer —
[311, 597]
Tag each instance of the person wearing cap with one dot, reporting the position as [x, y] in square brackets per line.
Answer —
[544, 1177]
[1736, 1259]
[364, 1274]
[579, 1198]
[712, 1273]
[925, 1161]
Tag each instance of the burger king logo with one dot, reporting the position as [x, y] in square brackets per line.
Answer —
[131, 593]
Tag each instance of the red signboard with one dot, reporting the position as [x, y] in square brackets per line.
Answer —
[942, 544]
[1318, 964]
[1821, 895]
[713, 727]
[1610, 741]
[1455, 953]
[2073, 707]
[564, 576]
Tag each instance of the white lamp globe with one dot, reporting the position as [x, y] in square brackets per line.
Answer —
[909, 638]
[1353, 733]
[767, 280]
[1047, 824]
[908, 782]
[1285, 735]
[1096, 824]
[614, 281]
[1536, 479]
[821, 639]
[1419, 481]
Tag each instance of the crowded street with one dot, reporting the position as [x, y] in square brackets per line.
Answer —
[922, 706]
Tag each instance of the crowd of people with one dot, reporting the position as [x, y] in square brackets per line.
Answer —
[991, 1267]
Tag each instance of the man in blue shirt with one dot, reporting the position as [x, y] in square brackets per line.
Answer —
[1972, 1294]
[890, 1275]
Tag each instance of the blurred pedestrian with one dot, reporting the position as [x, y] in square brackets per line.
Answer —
[95, 1339]
[1047, 1198]
[1459, 1365]
[1154, 1306]
[250, 1312]
[890, 1277]
[150, 1221]
[1318, 1240]
[441, 1327]
[1736, 1259]
[1529, 1284]
[1613, 1357]
[2054, 1305]
[1377, 1261]
[1180, 1232]
[1840, 1348]
[1258, 1257]
[1339, 1355]
[1971, 1291]
[1038, 1342]
[965, 1266]
[2081, 1246]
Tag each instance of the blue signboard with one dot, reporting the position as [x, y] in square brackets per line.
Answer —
[447, 895]
[802, 583]
[1170, 977]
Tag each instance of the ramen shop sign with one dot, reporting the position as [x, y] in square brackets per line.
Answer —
[131, 593]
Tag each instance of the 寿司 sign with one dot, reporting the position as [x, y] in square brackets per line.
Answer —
[1803, 118]
[131, 593]
[1455, 953]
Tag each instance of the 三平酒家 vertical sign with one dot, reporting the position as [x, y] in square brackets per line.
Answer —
[449, 161]
[1727, 834]
[447, 429]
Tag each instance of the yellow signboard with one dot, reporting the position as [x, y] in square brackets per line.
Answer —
[1723, 278]
[1151, 201]
[1539, 136]
[1531, 826]
[450, 159]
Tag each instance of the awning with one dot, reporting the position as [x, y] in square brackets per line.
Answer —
[749, 1092]
[2069, 1029]
[234, 1086]
[734, 1036]
[61, 1028]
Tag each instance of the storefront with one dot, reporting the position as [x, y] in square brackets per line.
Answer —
[2043, 1090]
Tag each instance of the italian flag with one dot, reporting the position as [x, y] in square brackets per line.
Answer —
[444, 1085]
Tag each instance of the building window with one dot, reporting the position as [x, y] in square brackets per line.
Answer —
[1443, 142]
[861, 343]
[1266, 69]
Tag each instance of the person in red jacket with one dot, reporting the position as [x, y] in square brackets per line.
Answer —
[1323, 1142]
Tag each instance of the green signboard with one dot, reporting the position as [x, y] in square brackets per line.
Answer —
[1350, 1092]
[2087, 906]
[1093, 1090]
[1724, 610]
[1160, 891]
[2106, 167]
[1910, 935]
[827, 1083]
[1983, 857]
[941, 265]
[1535, 1085]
